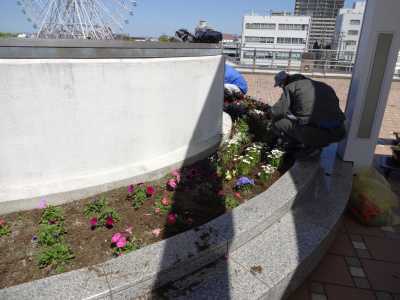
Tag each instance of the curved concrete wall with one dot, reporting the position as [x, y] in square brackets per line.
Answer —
[73, 128]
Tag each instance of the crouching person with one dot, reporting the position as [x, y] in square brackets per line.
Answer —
[307, 117]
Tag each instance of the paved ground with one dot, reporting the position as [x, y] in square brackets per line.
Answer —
[363, 263]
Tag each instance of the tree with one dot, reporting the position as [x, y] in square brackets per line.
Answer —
[164, 38]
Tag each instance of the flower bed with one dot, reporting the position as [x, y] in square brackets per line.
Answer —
[50, 240]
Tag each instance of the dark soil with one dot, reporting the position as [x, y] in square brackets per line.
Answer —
[195, 202]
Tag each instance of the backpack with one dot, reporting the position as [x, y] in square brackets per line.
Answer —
[208, 36]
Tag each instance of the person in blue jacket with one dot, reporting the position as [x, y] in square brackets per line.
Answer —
[235, 86]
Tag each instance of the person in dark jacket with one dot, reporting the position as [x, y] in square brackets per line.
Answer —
[307, 115]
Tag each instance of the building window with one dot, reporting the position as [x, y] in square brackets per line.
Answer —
[264, 55]
[282, 55]
[301, 27]
[248, 54]
[352, 32]
[294, 41]
[257, 39]
[350, 43]
[261, 26]
[296, 56]
[355, 22]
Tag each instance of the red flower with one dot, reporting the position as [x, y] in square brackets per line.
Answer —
[93, 222]
[238, 195]
[150, 191]
[171, 219]
[110, 222]
[2, 222]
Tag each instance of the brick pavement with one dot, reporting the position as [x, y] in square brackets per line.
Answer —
[363, 262]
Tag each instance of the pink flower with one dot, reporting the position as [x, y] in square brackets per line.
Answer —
[177, 175]
[2, 222]
[171, 219]
[131, 189]
[165, 201]
[157, 210]
[121, 243]
[150, 191]
[42, 204]
[172, 184]
[109, 222]
[93, 222]
[116, 237]
[156, 232]
[129, 229]
[238, 195]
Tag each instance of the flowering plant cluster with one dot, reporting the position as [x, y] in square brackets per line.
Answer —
[100, 214]
[124, 242]
[231, 202]
[172, 184]
[54, 250]
[162, 205]
[4, 228]
[266, 172]
[139, 194]
[275, 158]
[244, 184]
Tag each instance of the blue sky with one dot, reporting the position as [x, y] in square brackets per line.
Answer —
[156, 17]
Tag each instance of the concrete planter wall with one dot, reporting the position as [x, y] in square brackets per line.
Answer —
[71, 128]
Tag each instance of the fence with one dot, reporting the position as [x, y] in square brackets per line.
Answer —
[321, 61]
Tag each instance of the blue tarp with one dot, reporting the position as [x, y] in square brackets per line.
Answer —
[234, 77]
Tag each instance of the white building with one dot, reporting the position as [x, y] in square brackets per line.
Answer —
[277, 40]
[231, 46]
[348, 30]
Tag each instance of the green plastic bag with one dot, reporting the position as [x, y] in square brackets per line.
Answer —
[372, 201]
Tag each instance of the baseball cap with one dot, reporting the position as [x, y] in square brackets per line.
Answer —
[280, 78]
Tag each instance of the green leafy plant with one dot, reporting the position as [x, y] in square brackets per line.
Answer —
[56, 256]
[101, 213]
[95, 207]
[54, 252]
[52, 215]
[50, 235]
[4, 228]
[231, 202]
[139, 196]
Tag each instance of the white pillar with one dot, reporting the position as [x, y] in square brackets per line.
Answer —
[372, 77]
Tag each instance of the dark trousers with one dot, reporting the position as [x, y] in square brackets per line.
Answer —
[309, 136]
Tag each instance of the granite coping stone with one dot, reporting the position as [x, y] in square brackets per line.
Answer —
[283, 255]
[181, 254]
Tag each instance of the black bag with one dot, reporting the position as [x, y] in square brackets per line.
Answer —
[184, 36]
[208, 36]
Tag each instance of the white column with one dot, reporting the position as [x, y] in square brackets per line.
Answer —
[372, 77]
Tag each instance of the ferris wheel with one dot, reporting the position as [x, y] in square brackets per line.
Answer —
[77, 19]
